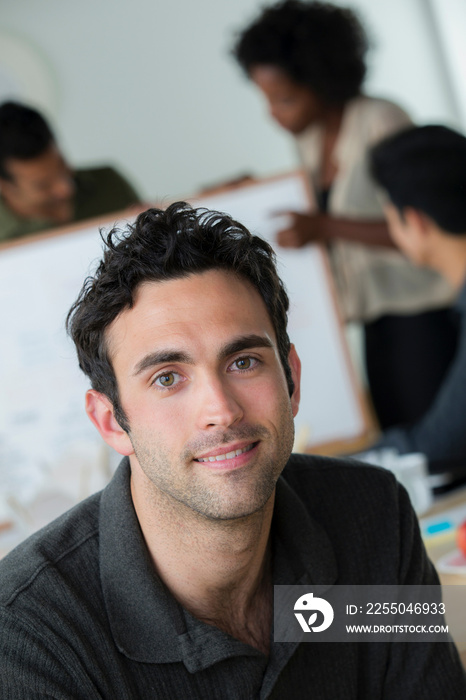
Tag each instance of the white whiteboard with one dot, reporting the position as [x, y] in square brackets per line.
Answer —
[51, 456]
[331, 409]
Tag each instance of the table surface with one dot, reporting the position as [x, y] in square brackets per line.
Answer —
[437, 547]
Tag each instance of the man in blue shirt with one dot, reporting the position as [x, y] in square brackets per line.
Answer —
[423, 172]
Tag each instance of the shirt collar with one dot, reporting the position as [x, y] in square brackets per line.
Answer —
[147, 623]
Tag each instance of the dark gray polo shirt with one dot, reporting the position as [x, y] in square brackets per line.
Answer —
[84, 616]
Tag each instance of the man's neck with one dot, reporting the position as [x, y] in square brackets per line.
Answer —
[449, 259]
[220, 571]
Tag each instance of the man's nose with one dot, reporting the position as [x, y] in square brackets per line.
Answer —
[63, 187]
[218, 407]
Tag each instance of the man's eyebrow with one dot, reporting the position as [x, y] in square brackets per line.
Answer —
[166, 356]
[245, 342]
[160, 357]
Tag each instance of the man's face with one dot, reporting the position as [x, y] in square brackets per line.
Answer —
[202, 385]
[40, 188]
[293, 106]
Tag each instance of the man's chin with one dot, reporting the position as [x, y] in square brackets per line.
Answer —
[61, 213]
[225, 510]
[235, 516]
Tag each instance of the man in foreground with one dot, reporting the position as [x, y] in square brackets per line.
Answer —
[38, 188]
[423, 172]
[162, 585]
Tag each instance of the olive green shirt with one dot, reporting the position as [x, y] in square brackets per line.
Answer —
[98, 191]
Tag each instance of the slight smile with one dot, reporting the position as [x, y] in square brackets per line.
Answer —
[228, 455]
[234, 457]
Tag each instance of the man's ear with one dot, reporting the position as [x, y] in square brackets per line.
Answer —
[100, 411]
[417, 221]
[295, 365]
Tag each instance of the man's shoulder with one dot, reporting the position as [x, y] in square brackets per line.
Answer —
[337, 485]
[366, 515]
[101, 190]
[98, 172]
[54, 629]
[101, 177]
[307, 467]
[62, 545]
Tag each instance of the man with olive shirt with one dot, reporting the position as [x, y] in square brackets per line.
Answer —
[38, 189]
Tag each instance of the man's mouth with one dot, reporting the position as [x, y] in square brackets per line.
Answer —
[227, 455]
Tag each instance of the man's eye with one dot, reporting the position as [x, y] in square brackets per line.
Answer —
[245, 363]
[167, 380]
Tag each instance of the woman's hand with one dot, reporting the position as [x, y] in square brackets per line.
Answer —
[302, 229]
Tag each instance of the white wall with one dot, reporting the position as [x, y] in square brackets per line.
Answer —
[449, 18]
[150, 85]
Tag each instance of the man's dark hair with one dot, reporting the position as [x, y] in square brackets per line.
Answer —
[165, 245]
[24, 134]
[316, 44]
[424, 168]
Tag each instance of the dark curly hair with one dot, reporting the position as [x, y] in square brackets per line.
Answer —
[316, 44]
[163, 245]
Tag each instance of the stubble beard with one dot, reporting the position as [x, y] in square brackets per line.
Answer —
[216, 497]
